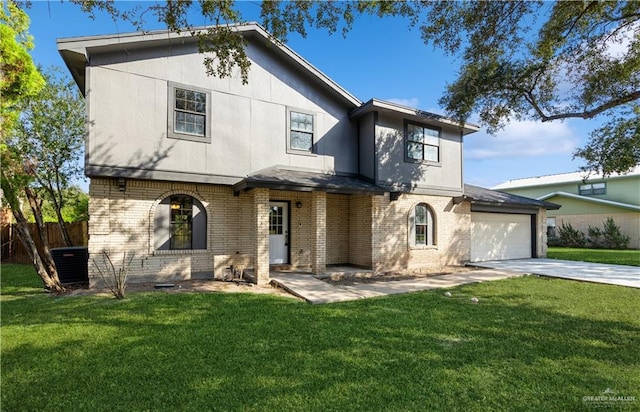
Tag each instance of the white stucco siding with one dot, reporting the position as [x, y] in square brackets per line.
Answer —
[446, 175]
[231, 135]
[268, 135]
[127, 118]
[129, 103]
[366, 146]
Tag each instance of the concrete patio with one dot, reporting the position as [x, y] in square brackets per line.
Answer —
[316, 291]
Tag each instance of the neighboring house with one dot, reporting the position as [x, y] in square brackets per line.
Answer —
[195, 173]
[587, 200]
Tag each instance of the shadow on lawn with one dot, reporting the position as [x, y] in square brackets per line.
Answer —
[223, 351]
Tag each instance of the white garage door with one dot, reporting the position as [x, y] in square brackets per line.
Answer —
[500, 236]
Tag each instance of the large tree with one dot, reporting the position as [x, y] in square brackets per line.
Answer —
[539, 60]
[42, 125]
[19, 77]
[547, 62]
[50, 136]
[40, 157]
[19, 82]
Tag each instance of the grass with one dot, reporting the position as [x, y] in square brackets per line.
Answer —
[616, 257]
[529, 344]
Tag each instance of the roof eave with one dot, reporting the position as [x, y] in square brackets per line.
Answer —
[381, 105]
[84, 46]
[545, 205]
[249, 183]
[563, 178]
[591, 200]
[76, 64]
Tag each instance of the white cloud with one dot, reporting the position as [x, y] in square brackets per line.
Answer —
[618, 46]
[522, 139]
[413, 102]
[483, 181]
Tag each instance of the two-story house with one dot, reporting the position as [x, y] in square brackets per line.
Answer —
[586, 200]
[195, 173]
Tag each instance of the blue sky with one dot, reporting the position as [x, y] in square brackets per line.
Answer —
[379, 58]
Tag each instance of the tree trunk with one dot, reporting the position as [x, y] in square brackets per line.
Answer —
[50, 279]
[50, 282]
[57, 206]
[45, 256]
[63, 228]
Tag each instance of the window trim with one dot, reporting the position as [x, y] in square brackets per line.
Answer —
[408, 159]
[588, 189]
[291, 150]
[432, 230]
[551, 226]
[171, 133]
[160, 225]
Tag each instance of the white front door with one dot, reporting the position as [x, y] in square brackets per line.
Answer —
[278, 232]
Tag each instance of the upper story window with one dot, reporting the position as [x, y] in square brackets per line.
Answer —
[593, 189]
[301, 131]
[422, 143]
[188, 110]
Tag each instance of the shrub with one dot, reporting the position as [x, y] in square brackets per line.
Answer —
[595, 237]
[554, 241]
[610, 237]
[116, 280]
[570, 237]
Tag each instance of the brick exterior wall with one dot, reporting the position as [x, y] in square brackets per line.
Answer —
[260, 241]
[541, 233]
[337, 229]
[392, 248]
[361, 230]
[629, 224]
[123, 221]
[318, 232]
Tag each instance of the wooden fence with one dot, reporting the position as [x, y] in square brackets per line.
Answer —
[13, 251]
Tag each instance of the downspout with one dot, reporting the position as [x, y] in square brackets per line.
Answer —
[375, 148]
[374, 262]
[358, 147]
[462, 161]
[534, 235]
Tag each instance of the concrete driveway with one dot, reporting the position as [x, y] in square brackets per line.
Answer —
[583, 271]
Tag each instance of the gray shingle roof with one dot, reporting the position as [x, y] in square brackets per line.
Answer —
[481, 195]
[285, 179]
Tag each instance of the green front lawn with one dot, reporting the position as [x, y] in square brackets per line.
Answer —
[616, 257]
[529, 344]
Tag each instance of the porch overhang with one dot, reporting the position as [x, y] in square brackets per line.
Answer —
[305, 181]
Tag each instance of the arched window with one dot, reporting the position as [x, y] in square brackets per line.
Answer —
[423, 226]
[180, 223]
